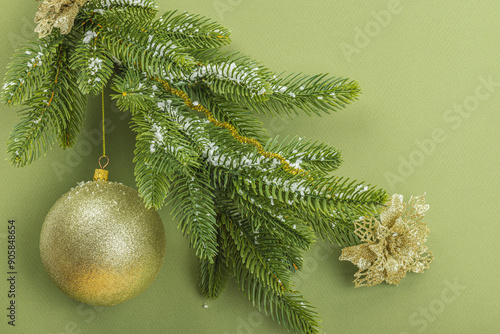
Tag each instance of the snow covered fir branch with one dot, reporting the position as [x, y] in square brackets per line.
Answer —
[249, 204]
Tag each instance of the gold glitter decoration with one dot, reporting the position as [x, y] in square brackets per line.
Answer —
[100, 245]
[57, 14]
[234, 132]
[101, 174]
[393, 246]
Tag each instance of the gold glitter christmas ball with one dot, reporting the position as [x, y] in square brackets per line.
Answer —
[100, 245]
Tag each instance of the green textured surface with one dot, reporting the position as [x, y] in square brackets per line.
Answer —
[427, 61]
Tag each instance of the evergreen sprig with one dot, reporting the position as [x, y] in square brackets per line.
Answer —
[249, 204]
[191, 31]
[53, 105]
[192, 198]
[92, 63]
[286, 307]
[29, 68]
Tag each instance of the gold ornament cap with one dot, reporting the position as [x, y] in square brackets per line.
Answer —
[101, 174]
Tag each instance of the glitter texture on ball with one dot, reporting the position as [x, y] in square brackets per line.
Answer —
[100, 245]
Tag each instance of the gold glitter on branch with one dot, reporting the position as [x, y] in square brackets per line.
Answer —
[393, 246]
[242, 139]
[57, 14]
[234, 132]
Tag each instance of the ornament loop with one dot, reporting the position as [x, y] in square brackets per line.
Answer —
[107, 162]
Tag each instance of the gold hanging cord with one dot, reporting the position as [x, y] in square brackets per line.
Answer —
[101, 173]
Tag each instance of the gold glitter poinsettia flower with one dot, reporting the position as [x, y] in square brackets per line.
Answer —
[393, 245]
[57, 14]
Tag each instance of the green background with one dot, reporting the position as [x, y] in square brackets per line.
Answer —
[417, 67]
